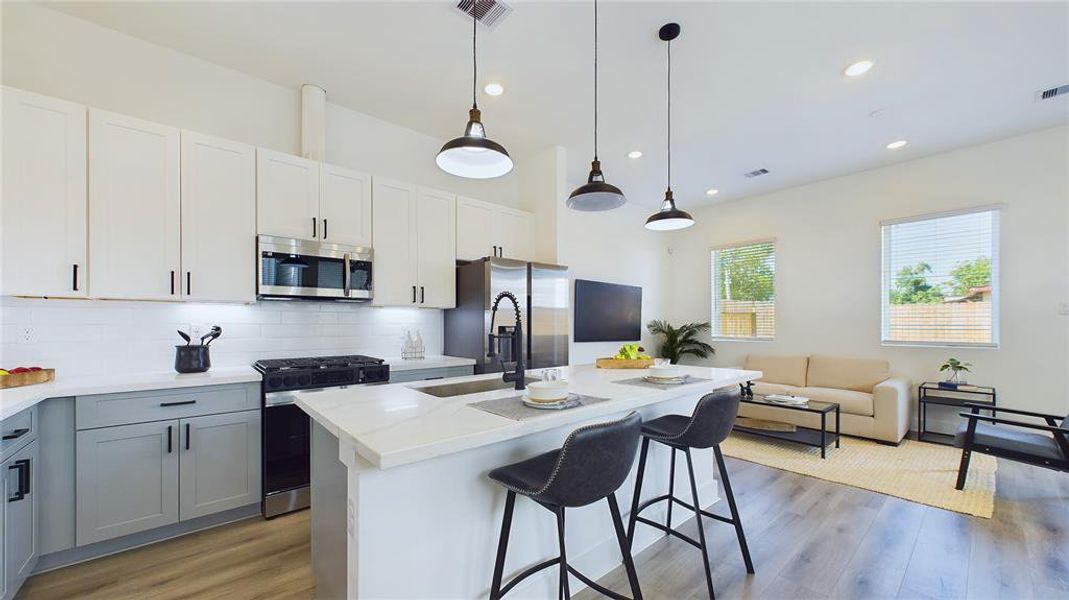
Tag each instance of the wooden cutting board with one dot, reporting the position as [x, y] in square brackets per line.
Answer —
[15, 380]
[613, 363]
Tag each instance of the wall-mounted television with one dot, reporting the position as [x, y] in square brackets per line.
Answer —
[607, 312]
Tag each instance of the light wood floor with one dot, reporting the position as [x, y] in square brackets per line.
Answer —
[809, 539]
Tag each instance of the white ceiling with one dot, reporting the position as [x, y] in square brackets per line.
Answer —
[755, 84]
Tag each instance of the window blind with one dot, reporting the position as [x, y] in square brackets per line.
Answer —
[743, 291]
[940, 280]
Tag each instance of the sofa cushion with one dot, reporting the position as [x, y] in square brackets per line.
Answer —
[857, 374]
[849, 401]
[764, 388]
[788, 370]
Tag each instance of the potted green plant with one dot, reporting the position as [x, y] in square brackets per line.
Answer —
[955, 367]
[682, 340]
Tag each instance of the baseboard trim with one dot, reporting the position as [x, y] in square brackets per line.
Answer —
[79, 554]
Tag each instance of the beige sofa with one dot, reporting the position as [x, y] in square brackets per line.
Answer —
[873, 404]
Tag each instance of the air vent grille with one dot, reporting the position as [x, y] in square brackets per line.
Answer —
[1049, 93]
[488, 12]
[756, 173]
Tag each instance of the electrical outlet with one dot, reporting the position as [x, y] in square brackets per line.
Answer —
[28, 334]
[196, 330]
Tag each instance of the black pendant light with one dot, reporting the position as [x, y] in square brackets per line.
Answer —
[596, 194]
[473, 155]
[669, 217]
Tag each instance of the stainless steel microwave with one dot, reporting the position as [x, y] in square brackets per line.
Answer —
[295, 269]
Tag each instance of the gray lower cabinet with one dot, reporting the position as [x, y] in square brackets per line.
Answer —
[127, 479]
[429, 374]
[20, 517]
[220, 463]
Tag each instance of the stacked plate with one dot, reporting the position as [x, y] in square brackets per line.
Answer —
[665, 375]
[549, 395]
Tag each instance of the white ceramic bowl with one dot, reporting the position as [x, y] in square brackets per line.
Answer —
[547, 391]
[663, 371]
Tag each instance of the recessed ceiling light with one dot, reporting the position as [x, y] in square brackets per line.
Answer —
[712, 192]
[896, 145]
[494, 89]
[634, 154]
[858, 68]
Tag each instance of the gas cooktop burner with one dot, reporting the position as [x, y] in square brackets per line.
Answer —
[315, 362]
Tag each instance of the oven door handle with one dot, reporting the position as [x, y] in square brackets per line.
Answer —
[346, 276]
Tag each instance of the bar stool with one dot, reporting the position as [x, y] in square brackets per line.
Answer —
[706, 428]
[591, 465]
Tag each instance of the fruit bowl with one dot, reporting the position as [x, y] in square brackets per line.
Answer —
[21, 376]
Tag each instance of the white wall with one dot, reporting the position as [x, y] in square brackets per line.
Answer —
[828, 260]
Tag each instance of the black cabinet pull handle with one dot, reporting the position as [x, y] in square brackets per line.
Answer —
[413, 294]
[189, 284]
[315, 227]
[16, 434]
[324, 229]
[74, 282]
[170, 439]
[172, 283]
[495, 250]
[501, 251]
[23, 467]
[422, 295]
[181, 403]
[187, 436]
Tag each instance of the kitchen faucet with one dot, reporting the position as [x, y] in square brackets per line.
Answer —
[516, 336]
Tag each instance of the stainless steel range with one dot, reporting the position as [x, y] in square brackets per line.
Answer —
[286, 428]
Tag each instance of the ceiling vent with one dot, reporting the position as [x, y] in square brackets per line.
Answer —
[1049, 93]
[757, 173]
[489, 12]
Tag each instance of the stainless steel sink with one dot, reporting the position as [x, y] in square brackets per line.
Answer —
[449, 390]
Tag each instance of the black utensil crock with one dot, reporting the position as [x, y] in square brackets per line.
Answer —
[191, 359]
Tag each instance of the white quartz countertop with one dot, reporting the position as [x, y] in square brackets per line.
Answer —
[396, 424]
[18, 399]
[431, 362]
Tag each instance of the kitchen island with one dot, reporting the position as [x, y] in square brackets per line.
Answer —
[405, 471]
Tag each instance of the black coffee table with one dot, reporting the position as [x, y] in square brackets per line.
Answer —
[807, 436]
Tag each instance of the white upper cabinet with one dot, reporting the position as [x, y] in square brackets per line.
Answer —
[287, 195]
[436, 249]
[485, 229]
[44, 196]
[475, 233]
[134, 208]
[513, 230]
[218, 219]
[394, 223]
[344, 206]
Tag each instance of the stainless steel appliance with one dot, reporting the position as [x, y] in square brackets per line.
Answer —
[286, 439]
[293, 269]
[543, 293]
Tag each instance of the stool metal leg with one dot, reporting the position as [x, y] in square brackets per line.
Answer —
[638, 492]
[502, 545]
[564, 591]
[701, 528]
[625, 548]
[671, 488]
[734, 510]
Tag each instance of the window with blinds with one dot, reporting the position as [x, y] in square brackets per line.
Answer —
[744, 298]
[940, 280]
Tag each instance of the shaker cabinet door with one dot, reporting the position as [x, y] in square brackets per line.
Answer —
[127, 479]
[287, 195]
[436, 249]
[220, 465]
[394, 229]
[475, 229]
[134, 208]
[513, 232]
[218, 219]
[20, 515]
[344, 206]
[44, 197]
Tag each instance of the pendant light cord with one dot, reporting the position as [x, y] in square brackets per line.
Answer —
[474, 56]
[669, 115]
[595, 79]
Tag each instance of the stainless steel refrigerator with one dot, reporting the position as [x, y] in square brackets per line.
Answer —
[543, 294]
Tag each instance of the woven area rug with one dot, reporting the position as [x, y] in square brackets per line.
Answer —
[915, 471]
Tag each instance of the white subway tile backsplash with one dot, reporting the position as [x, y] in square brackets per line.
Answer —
[90, 336]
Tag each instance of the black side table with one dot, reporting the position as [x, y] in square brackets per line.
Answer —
[930, 392]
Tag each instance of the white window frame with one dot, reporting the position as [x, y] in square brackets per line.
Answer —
[714, 304]
[885, 278]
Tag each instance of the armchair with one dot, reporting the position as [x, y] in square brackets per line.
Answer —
[1023, 441]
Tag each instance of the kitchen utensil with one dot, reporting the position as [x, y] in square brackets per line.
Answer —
[191, 359]
[185, 336]
[214, 333]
